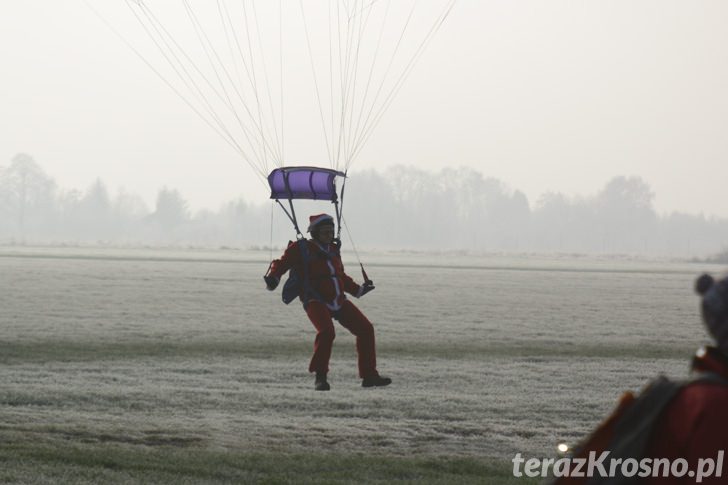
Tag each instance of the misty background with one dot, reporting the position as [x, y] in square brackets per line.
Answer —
[557, 95]
[399, 208]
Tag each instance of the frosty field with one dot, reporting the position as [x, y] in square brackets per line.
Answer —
[178, 366]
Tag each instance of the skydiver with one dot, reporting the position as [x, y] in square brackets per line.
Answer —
[322, 294]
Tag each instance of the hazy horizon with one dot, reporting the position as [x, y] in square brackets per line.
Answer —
[555, 97]
[399, 208]
[254, 198]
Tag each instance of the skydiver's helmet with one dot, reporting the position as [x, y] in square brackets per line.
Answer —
[315, 222]
[714, 307]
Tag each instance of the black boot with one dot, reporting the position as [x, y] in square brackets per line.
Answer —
[376, 381]
[321, 384]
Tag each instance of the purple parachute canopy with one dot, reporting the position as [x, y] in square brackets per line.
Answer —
[303, 183]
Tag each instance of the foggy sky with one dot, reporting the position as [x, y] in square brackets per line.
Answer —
[546, 96]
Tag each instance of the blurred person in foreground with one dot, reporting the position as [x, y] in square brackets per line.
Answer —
[322, 291]
[669, 421]
[694, 425]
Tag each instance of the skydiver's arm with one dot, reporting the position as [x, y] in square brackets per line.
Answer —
[349, 285]
[290, 258]
[353, 289]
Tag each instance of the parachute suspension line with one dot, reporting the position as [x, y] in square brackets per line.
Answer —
[210, 53]
[340, 98]
[230, 34]
[368, 7]
[344, 85]
[274, 120]
[344, 57]
[339, 214]
[280, 46]
[339, 211]
[227, 28]
[164, 35]
[340, 208]
[371, 73]
[331, 78]
[355, 28]
[256, 125]
[220, 128]
[362, 28]
[270, 245]
[355, 50]
[358, 136]
[255, 81]
[169, 54]
[398, 85]
[292, 217]
[356, 253]
[315, 80]
[261, 122]
[156, 71]
[344, 81]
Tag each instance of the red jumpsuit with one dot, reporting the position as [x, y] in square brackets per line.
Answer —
[330, 282]
[694, 426]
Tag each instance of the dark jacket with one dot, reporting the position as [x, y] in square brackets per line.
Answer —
[325, 271]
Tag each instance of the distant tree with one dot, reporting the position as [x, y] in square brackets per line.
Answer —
[171, 210]
[625, 209]
[375, 211]
[128, 211]
[97, 198]
[234, 214]
[96, 203]
[564, 224]
[129, 207]
[720, 258]
[27, 194]
[623, 195]
[93, 216]
[552, 219]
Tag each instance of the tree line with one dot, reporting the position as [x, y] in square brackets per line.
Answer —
[399, 208]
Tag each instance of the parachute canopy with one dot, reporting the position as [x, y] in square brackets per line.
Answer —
[304, 183]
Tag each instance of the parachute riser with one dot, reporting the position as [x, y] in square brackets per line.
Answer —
[292, 217]
[365, 276]
[340, 210]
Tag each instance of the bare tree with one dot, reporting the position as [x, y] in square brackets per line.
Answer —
[172, 210]
[26, 190]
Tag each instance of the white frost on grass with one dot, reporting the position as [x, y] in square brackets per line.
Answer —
[486, 361]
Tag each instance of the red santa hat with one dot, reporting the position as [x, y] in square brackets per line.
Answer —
[317, 219]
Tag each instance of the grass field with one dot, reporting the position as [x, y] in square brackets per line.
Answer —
[127, 366]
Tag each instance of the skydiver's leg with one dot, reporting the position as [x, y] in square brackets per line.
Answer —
[354, 320]
[325, 333]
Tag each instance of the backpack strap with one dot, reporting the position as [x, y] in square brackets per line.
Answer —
[308, 292]
[329, 255]
[708, 378]
[636, 426]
